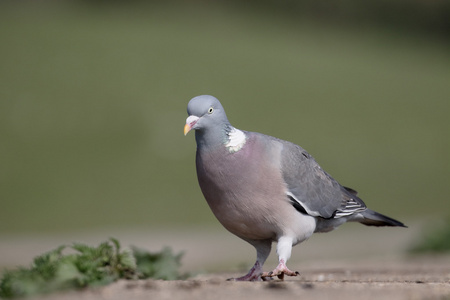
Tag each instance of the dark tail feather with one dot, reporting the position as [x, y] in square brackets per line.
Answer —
[372, 218]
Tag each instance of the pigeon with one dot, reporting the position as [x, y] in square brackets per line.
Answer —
[264, 189]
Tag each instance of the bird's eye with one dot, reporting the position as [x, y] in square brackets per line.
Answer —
[210, 110]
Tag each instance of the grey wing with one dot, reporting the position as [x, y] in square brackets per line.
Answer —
[313, 191]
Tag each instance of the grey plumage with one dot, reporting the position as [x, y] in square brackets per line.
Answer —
[264, 189]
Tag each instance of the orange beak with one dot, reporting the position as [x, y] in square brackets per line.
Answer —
[187, 128]
[190, 122]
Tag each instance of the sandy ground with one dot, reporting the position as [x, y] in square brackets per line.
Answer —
[354, 262]
[391, 281]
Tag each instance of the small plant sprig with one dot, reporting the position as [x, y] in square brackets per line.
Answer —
[436, 240]
[88, 267]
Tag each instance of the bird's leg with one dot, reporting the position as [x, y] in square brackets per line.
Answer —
[284, 248]
[252, 275]
[262, 252]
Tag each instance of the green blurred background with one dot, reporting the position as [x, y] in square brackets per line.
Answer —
[93, 99]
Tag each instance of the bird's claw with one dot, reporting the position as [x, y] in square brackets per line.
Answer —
[253, 275]
[279, 271]
[269, 275]
[264, 276]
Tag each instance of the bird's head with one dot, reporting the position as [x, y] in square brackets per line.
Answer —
[205, 112]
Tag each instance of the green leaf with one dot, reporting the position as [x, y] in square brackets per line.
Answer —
[436, 240]
[89, 266]
[162, 265]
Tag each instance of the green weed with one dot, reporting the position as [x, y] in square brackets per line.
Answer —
[434, 241]
[88, 267]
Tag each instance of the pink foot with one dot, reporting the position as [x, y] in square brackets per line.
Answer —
[279, 271]
[253, 275]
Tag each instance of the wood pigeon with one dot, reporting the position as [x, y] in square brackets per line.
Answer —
[266, 190]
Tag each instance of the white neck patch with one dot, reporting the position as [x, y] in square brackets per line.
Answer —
[236, 140]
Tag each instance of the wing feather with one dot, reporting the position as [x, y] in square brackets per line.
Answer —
[314, 190]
